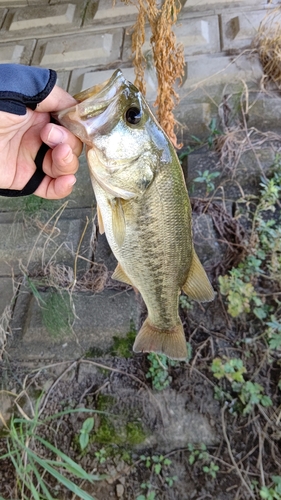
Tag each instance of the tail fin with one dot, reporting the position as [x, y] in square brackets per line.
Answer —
[172, 342]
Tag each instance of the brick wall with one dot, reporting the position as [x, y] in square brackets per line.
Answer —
[84, 45]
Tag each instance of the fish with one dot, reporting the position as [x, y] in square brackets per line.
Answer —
[143, 207]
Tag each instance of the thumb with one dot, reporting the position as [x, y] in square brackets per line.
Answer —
[57, 99]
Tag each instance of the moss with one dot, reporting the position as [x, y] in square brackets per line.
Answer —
[135, 433]
[104, 402]
[123, 347]
[106, 434]
[93, 352]
[130, 433]
[57, 313]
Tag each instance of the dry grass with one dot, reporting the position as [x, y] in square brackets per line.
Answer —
[268, 44]
[168, 57]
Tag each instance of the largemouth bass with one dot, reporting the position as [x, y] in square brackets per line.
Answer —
[143, 207]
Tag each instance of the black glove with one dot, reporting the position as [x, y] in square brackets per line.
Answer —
[24, 87]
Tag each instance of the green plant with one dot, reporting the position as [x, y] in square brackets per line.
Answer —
[158, 465]
[211, 469]
[32, 470]
[123, 347]
[199, 455]
[263, 261]
[158, 370]
[232, 369]
[85, 430]
[185, 303]
[150, 495]
[244, 395]
[214, 132]
[101, 455]
[273, 333]
[274, 491]
[57, 313]
[207, 178]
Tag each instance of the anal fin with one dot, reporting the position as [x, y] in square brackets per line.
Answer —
[120, 275]
[197, 285]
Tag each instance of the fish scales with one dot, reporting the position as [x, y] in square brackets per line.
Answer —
[156, 263]
[143, 207]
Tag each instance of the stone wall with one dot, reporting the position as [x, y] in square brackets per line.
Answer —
[85, 41]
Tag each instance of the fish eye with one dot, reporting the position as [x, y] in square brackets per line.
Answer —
[133, 115]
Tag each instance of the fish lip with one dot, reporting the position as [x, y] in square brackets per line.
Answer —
[100, 99]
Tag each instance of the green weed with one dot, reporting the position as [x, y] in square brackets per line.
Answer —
[185, 303]
[207, 178]
[241, 285]
[274, 491]
[199, 455]
[214, 132]
[158, 370]
[85, 431]
[32, 471]
[243, 395]
[158, 465]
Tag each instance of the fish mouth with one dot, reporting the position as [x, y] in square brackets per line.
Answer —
[96, 110]
[94, 101]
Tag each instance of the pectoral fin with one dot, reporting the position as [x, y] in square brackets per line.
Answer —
[118, 221]
[100, 221]
[120, 275]
[197, 285]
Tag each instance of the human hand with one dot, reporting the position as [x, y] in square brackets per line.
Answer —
[20, 139]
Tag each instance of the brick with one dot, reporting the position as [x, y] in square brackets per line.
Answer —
[99, 317]
[239, 29]
[83, 79]
[34, 244]
[63, 78]
[265, 113]
[109, 15]
[78, 51]
[214, 73]
[197, 6]
[3, 13]
[198, 35]
[51, 19]
[19, 52]
[13, 3]
[6, 294]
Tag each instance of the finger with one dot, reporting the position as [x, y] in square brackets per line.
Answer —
[55, 189]
[53, 135]
[58, 99]
[60, 161]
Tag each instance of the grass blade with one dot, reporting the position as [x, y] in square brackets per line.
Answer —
[40, 480]
[61, 479]
[69, 464]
